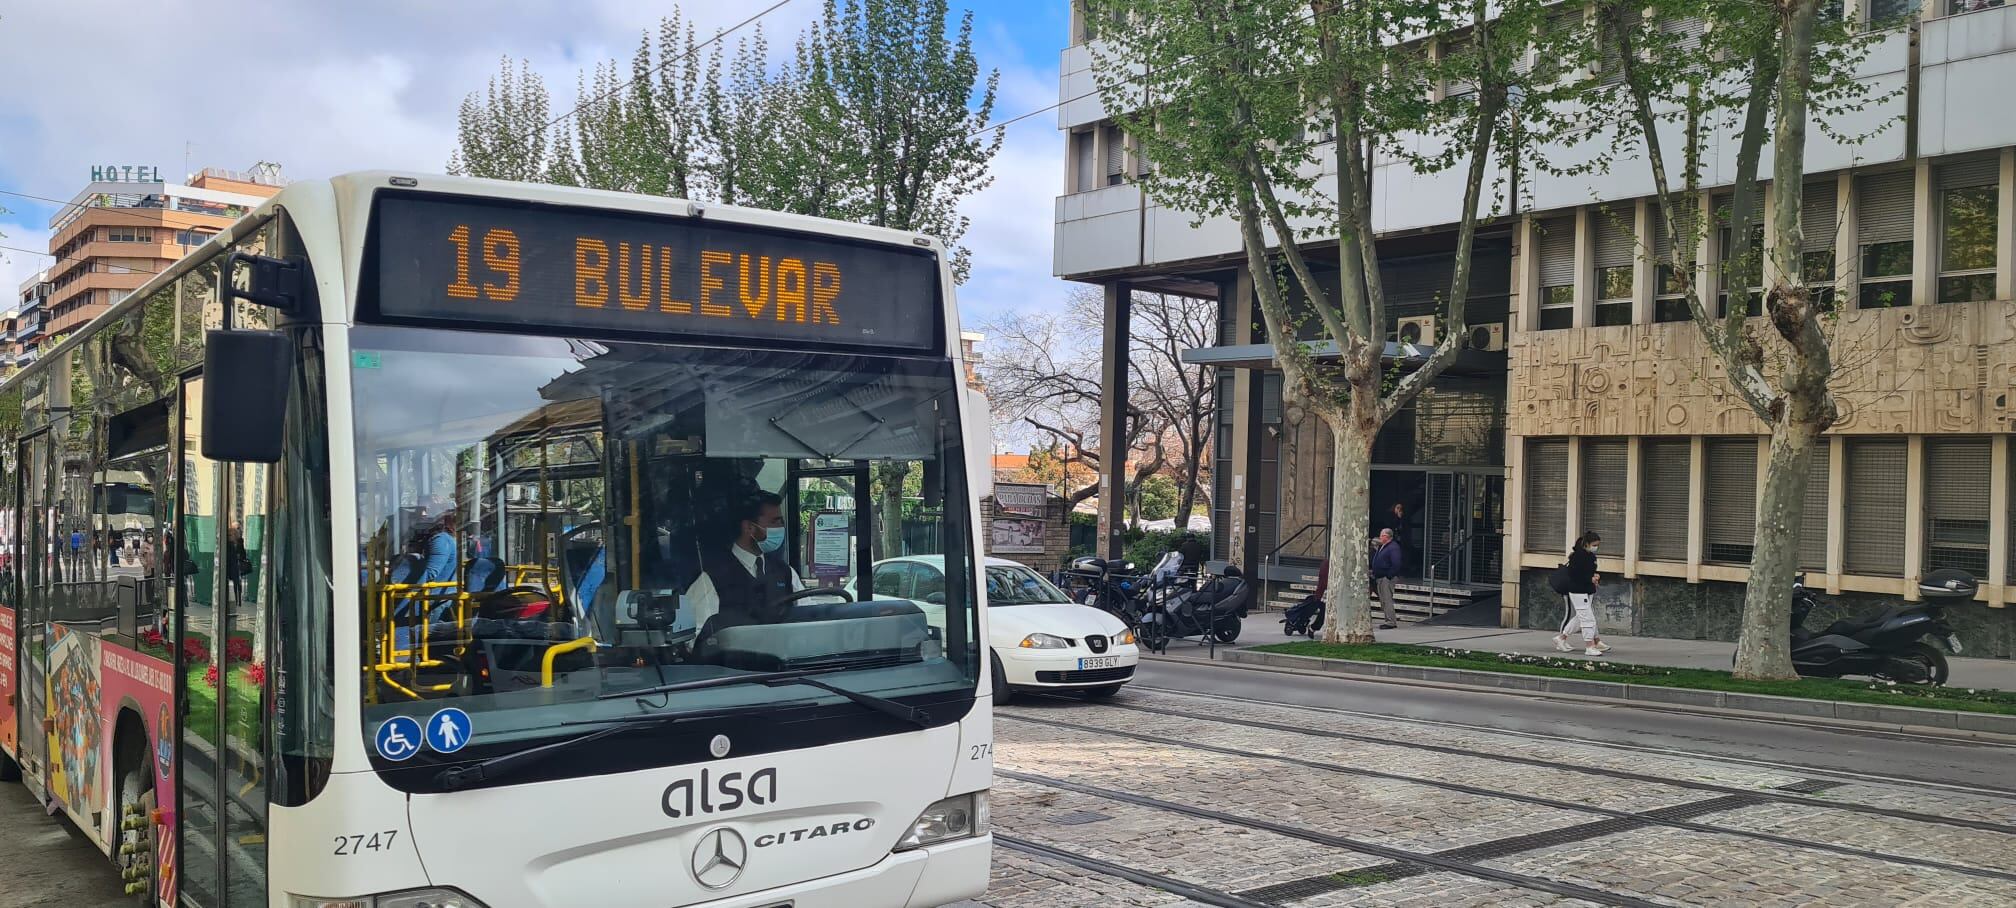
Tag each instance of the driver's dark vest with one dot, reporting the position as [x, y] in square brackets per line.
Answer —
[747, 599]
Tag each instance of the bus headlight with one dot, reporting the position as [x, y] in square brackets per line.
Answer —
[956, 817]
[411, 898]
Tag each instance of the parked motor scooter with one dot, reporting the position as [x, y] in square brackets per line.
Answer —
[1889, 645]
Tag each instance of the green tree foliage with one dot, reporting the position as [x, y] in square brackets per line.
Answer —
[1764, 70]
[1156, 496]
[1275, 113]
[877, 115]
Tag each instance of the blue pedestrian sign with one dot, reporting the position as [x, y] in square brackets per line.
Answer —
[448, 730]
[399, 738]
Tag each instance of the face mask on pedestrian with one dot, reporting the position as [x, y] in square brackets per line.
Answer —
[773, 539]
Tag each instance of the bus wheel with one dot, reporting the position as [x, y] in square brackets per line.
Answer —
[138, 836]
[10, 771]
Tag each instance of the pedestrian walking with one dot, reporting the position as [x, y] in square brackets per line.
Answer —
[1386, 569]
[1576, 579]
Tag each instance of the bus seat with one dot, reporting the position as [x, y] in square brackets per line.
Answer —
[483, 575]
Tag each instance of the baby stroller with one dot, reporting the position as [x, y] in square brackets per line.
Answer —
[1305, 618]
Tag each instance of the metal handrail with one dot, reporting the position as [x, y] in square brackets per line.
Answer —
[1428, 572]
[1269, 557]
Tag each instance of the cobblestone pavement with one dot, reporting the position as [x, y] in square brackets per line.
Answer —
[1165, 799]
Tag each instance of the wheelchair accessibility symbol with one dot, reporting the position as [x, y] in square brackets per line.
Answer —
[448, 730]
[399, 738]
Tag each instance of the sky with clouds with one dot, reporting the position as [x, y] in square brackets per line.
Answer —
[323, 88]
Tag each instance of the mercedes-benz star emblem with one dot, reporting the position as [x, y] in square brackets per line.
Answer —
[718, 859]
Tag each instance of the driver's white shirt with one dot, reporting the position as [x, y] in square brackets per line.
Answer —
[704, 601]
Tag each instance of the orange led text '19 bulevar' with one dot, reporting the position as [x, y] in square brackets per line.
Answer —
[782, 289]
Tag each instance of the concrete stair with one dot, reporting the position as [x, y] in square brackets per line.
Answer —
[1412, 597]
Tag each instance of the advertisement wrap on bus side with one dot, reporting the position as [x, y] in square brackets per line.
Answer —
[7, 710]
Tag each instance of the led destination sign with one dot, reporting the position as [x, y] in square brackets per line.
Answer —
[507, 265]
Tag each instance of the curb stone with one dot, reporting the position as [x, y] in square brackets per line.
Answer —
[1942, 719]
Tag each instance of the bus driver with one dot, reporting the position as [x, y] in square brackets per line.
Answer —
[742, 579]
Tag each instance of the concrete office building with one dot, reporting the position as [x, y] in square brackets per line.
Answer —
[1586, 401]
[115, 233]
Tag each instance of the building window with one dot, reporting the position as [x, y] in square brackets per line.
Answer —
[1557, 273]
[1967, 203]
[1887, 13]
[1116, 154]
[129, 235]
[1730, 472]
[1546, 494]
[1956, 504]
[1956, 7]
[1883, 230]
[1084, 161]
[1458, 55]
[1744, 277]
[1813, 517]
[1874, 510]
[191, 237]
[1669, 302]
[1663, 483]
[1616, 242]
[1819, 223]
[1604, 468]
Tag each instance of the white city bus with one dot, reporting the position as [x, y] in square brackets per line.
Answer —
[494, 560]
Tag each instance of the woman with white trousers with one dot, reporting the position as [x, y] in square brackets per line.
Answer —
[1580, 583]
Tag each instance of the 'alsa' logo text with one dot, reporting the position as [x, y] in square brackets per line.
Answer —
[719, 793]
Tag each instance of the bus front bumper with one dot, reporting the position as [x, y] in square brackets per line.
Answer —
[924, 878]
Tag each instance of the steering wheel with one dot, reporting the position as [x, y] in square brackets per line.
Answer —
[807, 594]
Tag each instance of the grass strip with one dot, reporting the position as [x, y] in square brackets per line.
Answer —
[1837, 689]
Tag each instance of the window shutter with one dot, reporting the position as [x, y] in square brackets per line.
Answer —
[1546, 494]
[1557, 252]
[1414, 286]
[1615, 232]
[1956, 504]
[1884, 212]
[1818, 217]
[1687, 31]
[1116, 152]
[1082, 161]
[1970, 172]
[1813, 521]
[1221, 471]
[1731, 500]
[1270, 398]
[1662, 248]
[1875, 506]
[1662, 498]
[1602, 493]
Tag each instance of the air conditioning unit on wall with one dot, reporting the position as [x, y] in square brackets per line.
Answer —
[1418, 329]
[1488, 338]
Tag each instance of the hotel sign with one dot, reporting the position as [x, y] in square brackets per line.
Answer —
[124, 173]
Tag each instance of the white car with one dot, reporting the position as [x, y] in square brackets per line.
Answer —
[1041, 639]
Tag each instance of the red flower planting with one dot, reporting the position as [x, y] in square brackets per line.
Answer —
[194, 651]
[151, 636]
[238, 649]
[210, 677]
[256, 673]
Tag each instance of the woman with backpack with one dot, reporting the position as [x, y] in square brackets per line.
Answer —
[1576, 580]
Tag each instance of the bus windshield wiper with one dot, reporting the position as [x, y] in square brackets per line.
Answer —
[882, 705]
[456, 778]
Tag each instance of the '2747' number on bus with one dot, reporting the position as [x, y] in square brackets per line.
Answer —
[358, 844]
[500, 253]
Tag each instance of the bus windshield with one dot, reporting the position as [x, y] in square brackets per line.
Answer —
[548, 522]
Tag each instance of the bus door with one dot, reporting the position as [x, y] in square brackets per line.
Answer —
[221, 527]
[36, 554]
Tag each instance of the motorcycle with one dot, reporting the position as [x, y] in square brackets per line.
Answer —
[1213, 610]
[1889, 645]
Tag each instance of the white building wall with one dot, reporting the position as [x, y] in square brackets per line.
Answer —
[1967, 64]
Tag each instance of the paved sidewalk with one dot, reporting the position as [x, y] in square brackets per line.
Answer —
[1265, 627]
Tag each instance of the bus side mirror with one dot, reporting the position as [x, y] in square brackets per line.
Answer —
[976, 425]
[244, 394]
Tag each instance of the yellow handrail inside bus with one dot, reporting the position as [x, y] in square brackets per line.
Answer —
[546, 663]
